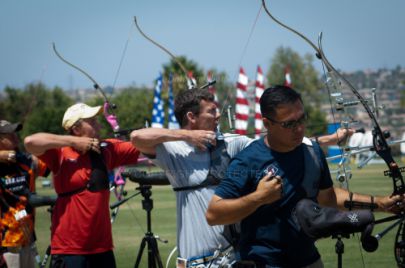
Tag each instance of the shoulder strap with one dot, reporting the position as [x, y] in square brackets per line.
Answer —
[35, 166]
[70, 193]
[98, 177]
[218, 164]
[231, 233]
[313, 168]
[205, 183]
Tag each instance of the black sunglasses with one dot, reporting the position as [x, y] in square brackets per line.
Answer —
[291, 124]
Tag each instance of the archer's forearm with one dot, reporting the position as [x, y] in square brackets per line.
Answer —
[228, 211]
[39, 143]
[147, 139]
[343, 199]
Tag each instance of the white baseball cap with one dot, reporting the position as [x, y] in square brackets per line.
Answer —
[79, 111]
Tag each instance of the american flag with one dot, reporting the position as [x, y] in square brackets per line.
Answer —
[173, 124]
[158, 113]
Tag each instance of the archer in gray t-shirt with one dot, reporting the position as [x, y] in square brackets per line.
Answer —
[186, 165]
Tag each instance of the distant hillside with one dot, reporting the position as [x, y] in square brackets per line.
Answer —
[389, 85]
[380, 79]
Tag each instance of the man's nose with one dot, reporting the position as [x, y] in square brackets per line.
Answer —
[217, 115]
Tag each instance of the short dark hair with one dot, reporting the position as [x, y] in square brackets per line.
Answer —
[274, 96]
[189, 101]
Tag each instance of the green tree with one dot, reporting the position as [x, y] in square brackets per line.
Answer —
[179, 77]
[305, 79]
[133, 108]
[38, 108]
[47, 114]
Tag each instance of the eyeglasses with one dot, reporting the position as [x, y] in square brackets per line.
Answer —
[91, 120]
[291, 124]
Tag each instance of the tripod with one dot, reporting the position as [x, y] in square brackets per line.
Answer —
[149, 239]
[339, 247]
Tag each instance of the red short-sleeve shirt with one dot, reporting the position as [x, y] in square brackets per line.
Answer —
[81, 222]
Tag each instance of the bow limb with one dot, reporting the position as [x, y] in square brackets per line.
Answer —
[95, 84]
[165, 50]
[399, 246]
[291, 29]
[344, 171]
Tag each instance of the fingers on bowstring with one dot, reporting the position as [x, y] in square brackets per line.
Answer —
[96, 145]
[210, 138]
[89, 147]
[93, 145]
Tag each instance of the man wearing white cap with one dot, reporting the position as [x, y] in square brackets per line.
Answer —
[81, 229]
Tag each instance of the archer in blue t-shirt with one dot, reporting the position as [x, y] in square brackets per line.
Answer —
[266, 180]
[270, 234]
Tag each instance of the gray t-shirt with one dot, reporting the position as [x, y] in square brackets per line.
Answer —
[186, 165]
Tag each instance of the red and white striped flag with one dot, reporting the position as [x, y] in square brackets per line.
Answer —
[242, 105]
[287, 81]
[212, 88]
[258, 93]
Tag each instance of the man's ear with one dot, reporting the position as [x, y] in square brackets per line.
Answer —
[191, 117]
[266, 122]
[76, 130]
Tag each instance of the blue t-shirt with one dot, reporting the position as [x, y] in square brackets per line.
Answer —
[270, 235]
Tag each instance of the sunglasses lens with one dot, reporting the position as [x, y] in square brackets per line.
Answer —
[289, 124]
[295, 123]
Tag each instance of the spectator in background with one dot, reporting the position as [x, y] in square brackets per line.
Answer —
[18, 171]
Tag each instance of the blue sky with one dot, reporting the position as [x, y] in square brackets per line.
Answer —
[92, 34]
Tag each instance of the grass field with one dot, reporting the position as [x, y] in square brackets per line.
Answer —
[130, 225]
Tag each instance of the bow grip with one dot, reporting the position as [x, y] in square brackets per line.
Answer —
[111, 118]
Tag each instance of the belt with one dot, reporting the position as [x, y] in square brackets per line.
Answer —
[201, 260]
[248, 264]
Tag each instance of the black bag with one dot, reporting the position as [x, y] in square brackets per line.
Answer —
[318, 222]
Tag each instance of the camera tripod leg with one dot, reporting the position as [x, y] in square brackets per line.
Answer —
[46, 257]
[149, 238]
[339, 249]
[153, 252]
[140, 252]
